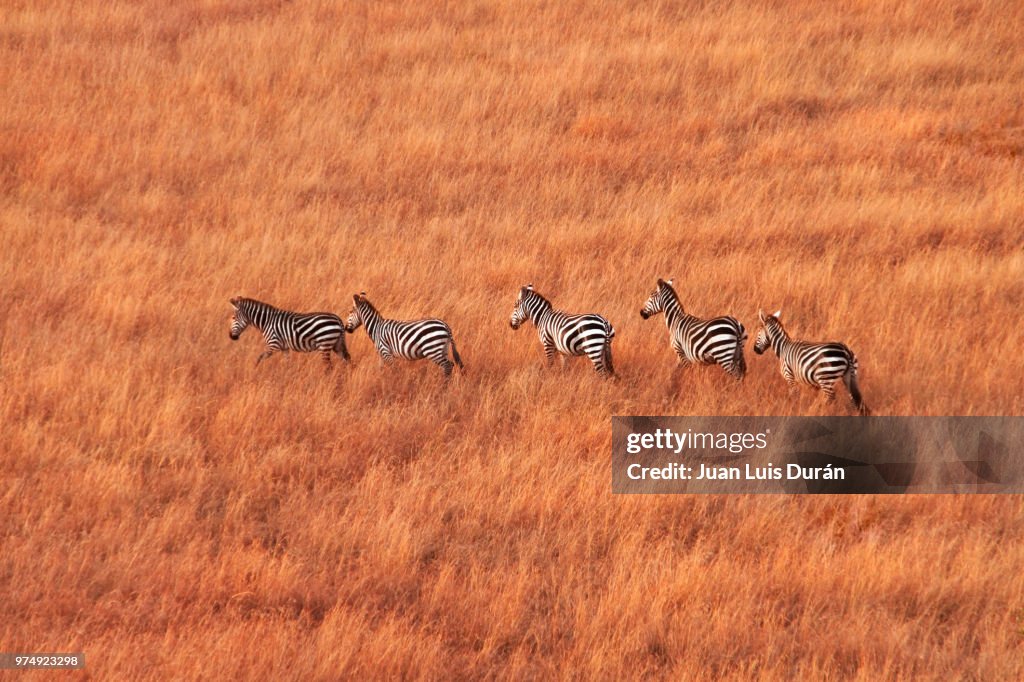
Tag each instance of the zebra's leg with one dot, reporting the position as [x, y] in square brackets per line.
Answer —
[679, 372]
[549, 353]
[828, 388]
[325, 353]
[787, 374]
[725, 363]
[440, 358]
[737, 366]
[791, 384]
[682, 366]
[733, 370]
[609, 366]
[597, 357]
[680, 369]
[273, 345]
[385, 354]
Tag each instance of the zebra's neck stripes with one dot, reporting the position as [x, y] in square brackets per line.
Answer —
[371, 318]
[670, 304]
[537, 307]
[778, 339]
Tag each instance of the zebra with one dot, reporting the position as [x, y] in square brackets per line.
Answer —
[587, 334]
[718, 341]
[284, 331]
[819, 365]
[413, 340]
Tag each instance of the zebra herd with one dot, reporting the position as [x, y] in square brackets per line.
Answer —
[717, 341]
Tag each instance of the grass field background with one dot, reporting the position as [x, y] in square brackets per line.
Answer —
[176, 512]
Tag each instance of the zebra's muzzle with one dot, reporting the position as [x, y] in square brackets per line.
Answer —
[644, 314]
[234, 337]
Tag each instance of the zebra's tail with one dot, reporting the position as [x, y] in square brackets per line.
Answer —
[608, 348]
[455, 354]
[851, 383]
[609, 367]
[340, 348]
[739, 364]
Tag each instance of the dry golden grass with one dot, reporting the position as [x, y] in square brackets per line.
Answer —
[177, 513]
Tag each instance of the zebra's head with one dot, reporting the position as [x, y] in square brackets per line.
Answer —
[521, 313]
[240, 320]
[355, 318]
[770, 328]
[658, 300]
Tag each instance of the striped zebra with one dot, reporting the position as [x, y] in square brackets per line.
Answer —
[819, 365]
[412, 340]
[587, 334]
[284, 331]
[709, 342]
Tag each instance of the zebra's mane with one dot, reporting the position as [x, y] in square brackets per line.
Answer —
[773, 326]
[534, 302]
[669, 292]
[669, 295]
[363, 303]
[530, 293]
[248, 304]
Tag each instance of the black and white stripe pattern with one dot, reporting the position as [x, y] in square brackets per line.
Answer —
[710, 342]
[284, 331]
[819, 365]
[413, 340]
[587, 334]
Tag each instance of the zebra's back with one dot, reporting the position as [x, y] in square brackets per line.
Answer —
[307, 332]
[581, 334]
[715, 341]
[416, 339]
[820, 363]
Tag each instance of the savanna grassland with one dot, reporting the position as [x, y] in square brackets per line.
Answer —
[176, 512]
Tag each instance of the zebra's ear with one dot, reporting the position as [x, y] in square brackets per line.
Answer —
[777, 314]
[669, 282]
[660, 281]
[355, 298]
[760, 315]
[234, 301]
[529, 287]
